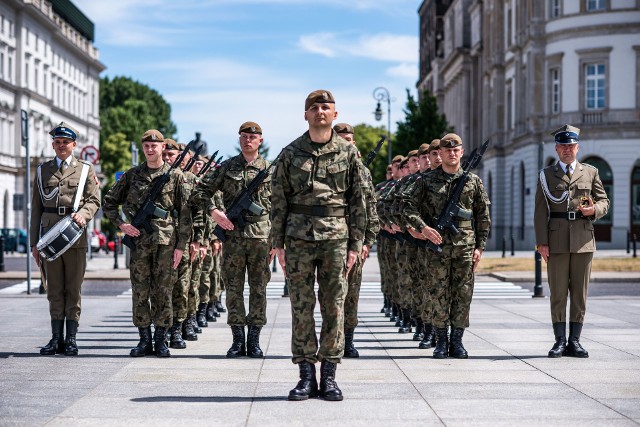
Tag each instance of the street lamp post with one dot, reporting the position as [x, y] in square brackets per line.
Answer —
[381, 94]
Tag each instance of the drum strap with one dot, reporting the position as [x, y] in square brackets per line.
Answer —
[83, 179]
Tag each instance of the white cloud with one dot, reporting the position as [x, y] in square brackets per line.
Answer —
[404, 70]
[382, 47]
[318, 43]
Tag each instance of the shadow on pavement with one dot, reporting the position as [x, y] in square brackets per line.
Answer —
[209, 399]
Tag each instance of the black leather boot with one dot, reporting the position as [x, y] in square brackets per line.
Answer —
[456, 349]
[187, 331]
[350, 350]
[329, 390]
[211, 310]
[253, 341]
[560, 332]
[308, 385]
[442, 344]
[419, 334]
[429, 338]
[220, 307]
[384, 304]
[194, 324]
[159, 339]
[395, 313]
[70, 346]
[388, 306]
[145, 346]
[201, 315]
[176, 340]
[56, 344]
[405, 327]
[574, 349]
[238, 348]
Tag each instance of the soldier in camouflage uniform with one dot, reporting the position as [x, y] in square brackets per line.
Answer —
[317, 181]
[354, 279]
[382, 243]
[451, 272]
[245, 250]
[157, 254]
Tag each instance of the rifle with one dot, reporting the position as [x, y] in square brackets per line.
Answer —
[375, 151]
[206, 167]
[447, 217]
[194, 158]
[149, 210]
[243, 202]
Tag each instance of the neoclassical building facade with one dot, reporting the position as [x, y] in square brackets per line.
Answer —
[50, 68]
[514, 70]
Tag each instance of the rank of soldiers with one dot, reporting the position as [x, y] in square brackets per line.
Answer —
[315, 207]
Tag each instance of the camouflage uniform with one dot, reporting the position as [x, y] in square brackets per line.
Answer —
[313, 186]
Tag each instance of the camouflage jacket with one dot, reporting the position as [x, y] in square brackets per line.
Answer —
[131, 191]
[383, 192]
[231, 178]
[328, 177]
[430, 196]
[373, 222]
[396, 204]
[405, 196]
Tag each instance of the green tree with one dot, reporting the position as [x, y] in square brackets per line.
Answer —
[422, 124]
[116, 147]
[367, 137]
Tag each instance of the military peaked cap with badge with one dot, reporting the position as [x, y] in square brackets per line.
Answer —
[566, 134]
[320, 96]
[450, 140]
[250, 127]
[152, 135]
[343, 128]
[63, 130]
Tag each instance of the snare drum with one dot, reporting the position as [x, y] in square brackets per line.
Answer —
[59, 238]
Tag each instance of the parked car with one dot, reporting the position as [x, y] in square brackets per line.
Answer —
[98, 241]
[15, 240]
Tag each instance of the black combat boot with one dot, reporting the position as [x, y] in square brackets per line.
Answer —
[429, 339]
[350, 350]
[308, 385]
[211, 312]
[574, 349]
[238, 348]
[329, 390]
[456, 349]
[175, 332]
[442, 344]
[253, 341]
[194, 324]
[145, 346]
[220, 307]
[159, 339]
[560, 332]
[56, 344]
[405, 327]
[384, 304]
[387, 307]
[187, 331]
[70, 346]
[395, 313]
[419, 334]
[201, 315]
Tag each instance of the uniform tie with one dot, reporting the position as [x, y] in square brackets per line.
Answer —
[569, 171]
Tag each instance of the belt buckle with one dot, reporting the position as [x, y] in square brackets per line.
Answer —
[62, 210]
[571, 215]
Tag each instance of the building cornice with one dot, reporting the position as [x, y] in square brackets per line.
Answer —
[593, 31]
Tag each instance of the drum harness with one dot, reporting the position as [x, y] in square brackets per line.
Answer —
[48, 197]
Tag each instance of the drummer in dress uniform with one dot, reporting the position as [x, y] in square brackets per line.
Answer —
[569, 197]
[55, 188]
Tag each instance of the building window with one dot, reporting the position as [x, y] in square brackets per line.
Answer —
[523, 192]
[509, 109]
[596, 5]
[26, 74]
[555, 90]
[595, 86]
[554, 8]
[1, 64]
[635, 200]
[509, 19]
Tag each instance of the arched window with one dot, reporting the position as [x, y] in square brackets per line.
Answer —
[602, 227]
[635, 199]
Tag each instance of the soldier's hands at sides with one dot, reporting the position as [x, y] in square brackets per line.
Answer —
[79, 219]
[396, 228]
[365, 253]
[36, 255]
[272, 253]
[415, 234]
[280, 252]
[477, 254]
[221, 219]
[129, 230]
[216, 247]
[177, 256]
[431, 234]
[589, 209]
[203, 251]
[544, 251]
[194, 250]
[351, 260]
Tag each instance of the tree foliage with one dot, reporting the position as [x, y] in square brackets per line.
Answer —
[367, 137]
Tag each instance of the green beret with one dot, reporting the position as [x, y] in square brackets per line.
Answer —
[343, 128]
[152, 135]
[397, 158]
[435, 145]
[412, 153]
[321, 96]
[250, 127]
[424, 148]
[171, 144]
[450, 140]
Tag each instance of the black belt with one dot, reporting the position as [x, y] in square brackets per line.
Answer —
[336, 211]
[256, 219]
[571, 215]
[60, 210]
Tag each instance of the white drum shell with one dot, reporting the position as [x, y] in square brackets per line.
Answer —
[59, 238]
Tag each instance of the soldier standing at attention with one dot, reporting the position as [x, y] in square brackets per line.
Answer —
[569, 197]
[54, 192]
[157, 254]
[451, 272]
[354, 279]
[245, 250]
[382, 245]
[317, 181]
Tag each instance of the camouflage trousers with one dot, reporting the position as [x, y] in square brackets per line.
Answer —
[180, 290]
[416, 284]
[215, 278]
[242, 255]
[427, 305]
[353, 295]
[303, 258]
[380, 248]
[152, 277]
[205, 279]
[388, 256]
[194, 283]
[451, 285]
[403, 288]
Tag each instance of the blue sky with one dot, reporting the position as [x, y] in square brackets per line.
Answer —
[222, 62]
